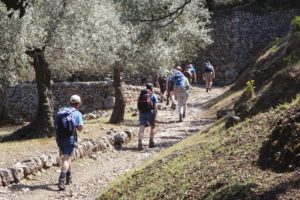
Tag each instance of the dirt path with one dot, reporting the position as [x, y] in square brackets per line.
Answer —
[91, 175]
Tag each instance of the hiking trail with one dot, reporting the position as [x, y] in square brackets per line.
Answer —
[91, 175]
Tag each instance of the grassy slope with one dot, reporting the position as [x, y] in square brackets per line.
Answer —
[214, 164]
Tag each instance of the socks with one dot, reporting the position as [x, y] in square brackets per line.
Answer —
[62, 175]
[68, 174]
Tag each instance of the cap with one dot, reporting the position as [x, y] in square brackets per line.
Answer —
[178, 68]
[149, 86]
[75, 99]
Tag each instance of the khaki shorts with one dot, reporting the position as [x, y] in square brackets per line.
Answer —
[208, 76]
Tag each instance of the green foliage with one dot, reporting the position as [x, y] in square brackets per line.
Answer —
[296, 22]
[250, 87]
[290, 59]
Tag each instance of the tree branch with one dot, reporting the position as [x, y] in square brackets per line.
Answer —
[169, 15]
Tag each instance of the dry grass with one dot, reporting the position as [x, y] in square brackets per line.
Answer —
[14, 151]
[216, 164]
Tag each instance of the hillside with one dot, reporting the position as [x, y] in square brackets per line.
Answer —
[245, 161]
[275, 74]
[214, 164]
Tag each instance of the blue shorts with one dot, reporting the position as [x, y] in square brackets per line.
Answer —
[146, 119]
[67, 145]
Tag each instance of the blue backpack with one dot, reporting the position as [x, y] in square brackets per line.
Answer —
[64, 125]
[208, 67]
[179, 82]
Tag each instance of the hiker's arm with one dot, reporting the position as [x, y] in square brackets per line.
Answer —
[213, 72]
[155, 111]
[79, 128]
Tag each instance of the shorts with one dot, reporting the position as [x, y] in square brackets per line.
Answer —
[146, 119]
[170, 86]
[208, 76]
[67, 145]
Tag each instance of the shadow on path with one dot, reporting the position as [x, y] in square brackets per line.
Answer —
[49, 187]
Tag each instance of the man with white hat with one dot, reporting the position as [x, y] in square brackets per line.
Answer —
[68, 121]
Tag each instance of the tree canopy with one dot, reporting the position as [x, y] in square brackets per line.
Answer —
[93, 35]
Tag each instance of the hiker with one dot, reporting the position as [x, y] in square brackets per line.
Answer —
[181, 89]
[170, 92]
[68, 121]
[162, 84]
[147, 106]
[187, 73]
[192, 70]
[208, 75]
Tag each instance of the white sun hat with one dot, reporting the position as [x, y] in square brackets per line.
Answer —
[75, 99]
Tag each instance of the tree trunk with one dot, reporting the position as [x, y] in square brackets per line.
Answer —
[42, 124]
[119, 109]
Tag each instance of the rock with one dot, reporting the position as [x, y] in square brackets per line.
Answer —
[129, 133]
[109, 102]
[90, 116]
[120, 138]
[232, 121]
[53, 160]
[46, 161]
[39, 163]
[222, 113]
[31, 164]
[93, 156]
[6, 176]
[18, 173]
[25, 190]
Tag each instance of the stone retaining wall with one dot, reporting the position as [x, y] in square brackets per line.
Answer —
[22, 99]
[239, 36]
[30, 167]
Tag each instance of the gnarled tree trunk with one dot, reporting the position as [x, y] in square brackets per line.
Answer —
[42, 124]
[119, 109]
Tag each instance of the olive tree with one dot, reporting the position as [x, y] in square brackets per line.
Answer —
[165, 32]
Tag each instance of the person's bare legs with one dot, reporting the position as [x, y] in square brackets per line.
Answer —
[65, 166]
[172, 95]
[140, 137]
[152, 133]
[185, 98]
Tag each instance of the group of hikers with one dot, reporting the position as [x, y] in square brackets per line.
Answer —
[175, 84]
[69, 120]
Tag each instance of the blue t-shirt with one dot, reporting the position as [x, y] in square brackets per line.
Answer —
[154, 99]
[192, 69]
[77, 120]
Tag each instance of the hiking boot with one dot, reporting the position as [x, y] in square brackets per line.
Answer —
[151, 143]
[69, 180]
[173, 106]
[206, 89]
[140, 146]
[61, 184]
[180, 118]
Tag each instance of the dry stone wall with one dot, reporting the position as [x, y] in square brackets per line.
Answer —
[32, 166]
[239, 36]
[22, 99]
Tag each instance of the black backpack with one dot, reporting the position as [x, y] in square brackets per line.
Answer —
[144, 102]
[64, 125]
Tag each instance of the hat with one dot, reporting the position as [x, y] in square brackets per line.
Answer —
[75, 99]
[149, 86]
[178, 68]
